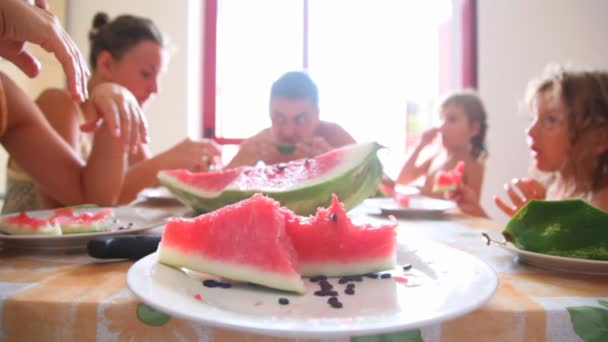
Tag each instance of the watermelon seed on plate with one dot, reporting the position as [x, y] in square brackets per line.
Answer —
[372, 275]
[283, 301]
[325, 285]
[334, 303]
[407, 267]
[350, 286]
[318, 278]
[322, 293]
[349, 291]
[332, 300]
[385, 275]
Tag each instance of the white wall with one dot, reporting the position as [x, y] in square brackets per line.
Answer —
[516, 39]
[174, 112]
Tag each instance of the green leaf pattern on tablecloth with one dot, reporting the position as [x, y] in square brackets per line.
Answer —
[590, 322]
[403, 336]
[149, 316]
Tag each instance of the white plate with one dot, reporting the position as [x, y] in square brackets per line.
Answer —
[419, 205]
[445, 283]
[141, 219]
[553, 262]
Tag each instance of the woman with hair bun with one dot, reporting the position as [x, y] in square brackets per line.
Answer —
[127, 53]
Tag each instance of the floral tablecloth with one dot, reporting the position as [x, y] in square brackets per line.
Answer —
[72, 297]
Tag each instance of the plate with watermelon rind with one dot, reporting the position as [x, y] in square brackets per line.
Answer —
[444, 283]
[548, 261]
[128, 220]
[418, 205]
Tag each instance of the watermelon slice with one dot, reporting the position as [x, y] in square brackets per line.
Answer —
[352, 172]
[244, 241]
[23, 224]
[72, 222]
[448, 180]
[330, 244]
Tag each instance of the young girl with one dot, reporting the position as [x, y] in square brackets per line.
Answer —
[462, 130]
[568, 141]
[125, 52]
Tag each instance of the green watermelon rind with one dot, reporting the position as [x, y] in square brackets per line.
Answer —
[356, 184]
[287, 282]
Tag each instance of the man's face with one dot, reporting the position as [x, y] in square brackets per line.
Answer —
[293, 120]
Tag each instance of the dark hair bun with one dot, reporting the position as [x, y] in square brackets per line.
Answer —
[100, 19]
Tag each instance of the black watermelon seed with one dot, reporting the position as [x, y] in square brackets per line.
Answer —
[225, 285]
[283, 301]
[322, 293]
[372, 275]
[350, 286]
[333, 217]
[130, 224]
[336, 305]
[325, 285]
[318, 278]
[356, 278]
[407, 267]
[332, 300]
[349, 291]
[344, 280]
[385, 275]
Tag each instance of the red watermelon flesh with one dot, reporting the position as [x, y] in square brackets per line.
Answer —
[271, 177]
[23, 224]
[330, 244]
[244, 241]
[448, 180]
[71, 221]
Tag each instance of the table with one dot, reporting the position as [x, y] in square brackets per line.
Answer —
[72, 297]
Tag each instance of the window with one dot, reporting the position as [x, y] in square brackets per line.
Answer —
[379, 66]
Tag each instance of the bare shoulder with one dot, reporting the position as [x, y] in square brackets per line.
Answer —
[475, 167]
[334, 134]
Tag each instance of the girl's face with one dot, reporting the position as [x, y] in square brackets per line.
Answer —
[548, 135]
[456, 128]
[138, 70]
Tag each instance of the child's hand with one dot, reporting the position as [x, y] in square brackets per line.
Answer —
[117, 107]
[467, 200]
[428, 136]
[529, 188]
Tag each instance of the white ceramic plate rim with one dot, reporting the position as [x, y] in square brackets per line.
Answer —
[387, 205]
[140, 282]
[553, 262]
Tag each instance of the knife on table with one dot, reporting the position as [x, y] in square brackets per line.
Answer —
[132, 247]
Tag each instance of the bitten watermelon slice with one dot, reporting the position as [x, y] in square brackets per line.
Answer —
[448, 180]
[244, 241]
[23, 224]
[330, 244]
[352, 172]
[72, 222]
[257, 241]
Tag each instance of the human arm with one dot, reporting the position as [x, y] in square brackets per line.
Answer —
[255, 148]
[54, 166]
[473, 177]
[411, 170]
[194, 155]
[21, 22]
[529, 189]
[467, 200]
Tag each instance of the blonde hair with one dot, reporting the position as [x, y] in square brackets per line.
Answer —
[585, 97]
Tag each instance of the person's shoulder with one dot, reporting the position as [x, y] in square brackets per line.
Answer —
[334, 134]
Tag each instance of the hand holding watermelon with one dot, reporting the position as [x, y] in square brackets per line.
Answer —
[448, 180]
